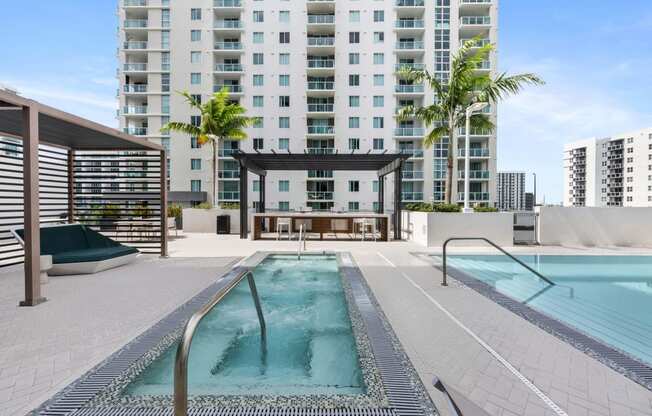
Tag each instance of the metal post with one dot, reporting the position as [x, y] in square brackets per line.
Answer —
[71, 186]
[164, 204]
[398, 197]
[243, 202]
[31, 224]
[261, 200]
[467, 161]
[381, 194]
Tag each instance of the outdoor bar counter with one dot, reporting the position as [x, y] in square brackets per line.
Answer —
[319, 222]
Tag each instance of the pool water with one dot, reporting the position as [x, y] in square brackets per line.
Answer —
[310, 343]
[606, 297]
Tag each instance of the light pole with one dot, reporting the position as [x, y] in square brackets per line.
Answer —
[467, 152]
[534, 196]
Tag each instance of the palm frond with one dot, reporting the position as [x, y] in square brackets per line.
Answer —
[435, 135]
[182, 128]
[504, 85]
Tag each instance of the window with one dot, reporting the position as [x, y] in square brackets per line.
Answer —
[259, 37]
[354, 80]
[196, 97]
[284, 59]
[354, 143]
[374, 186]
[379, 37]
[195, 78]
[284, 186]
[375, 206]
[354, 186]
[259, 59]
[284, 80]
[379, 58]
[354, 58]
[255, 186]
[258, 143]
[195, 164]
[379, 101]
[258, 80]
[259, 16]
[258, 101]
[354, 16]
[194, 142]
[354, 122]
[379, 122]
[379, 15]
[379, 143]
[195, 14]
[195, 35]
[354, 101]
[284, 101]
[284, 37]
[283, 143]
[354, 206]
[165, 105]
[195, 185]
[379, 80]
[195, 57]
[283, 205]
[284, 122]
[195, 121]
[354, 37]
[284, 16]
[165, 39]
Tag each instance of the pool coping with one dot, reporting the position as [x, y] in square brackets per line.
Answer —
[405, 394]
[619, 361]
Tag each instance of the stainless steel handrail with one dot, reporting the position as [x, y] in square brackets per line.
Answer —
[453, 408]
[302, 236]
[181, 360]
[496, 246]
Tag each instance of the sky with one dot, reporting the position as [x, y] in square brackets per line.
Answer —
[594, 56]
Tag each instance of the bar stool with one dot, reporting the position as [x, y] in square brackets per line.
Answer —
[358, 224]
[369, 223]
[283, 223]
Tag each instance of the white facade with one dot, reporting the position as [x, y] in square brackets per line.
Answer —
[511, 191]
[320, 75]
[609, 172]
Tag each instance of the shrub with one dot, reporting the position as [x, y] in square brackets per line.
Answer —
[175, 211]
[204, 205]
[447, 208]
[484, 209]
[142, 211]
[230, 205]
[426, 207]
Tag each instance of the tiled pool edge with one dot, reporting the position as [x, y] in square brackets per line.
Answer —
[404, 391]
[613, 358]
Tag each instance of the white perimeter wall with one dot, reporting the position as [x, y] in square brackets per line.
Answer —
[197, 220]
[589, 226]
[432, 229]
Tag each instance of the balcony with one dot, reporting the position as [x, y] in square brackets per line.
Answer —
[227, 4]
[228, 46]
[409, 132]
[228, 174]
[410, 3]
[412, 174]
[409, 24]
[321, 85]
[136, 131]
[134, 88]
[321, 63]
[226, 153]
[483, 66]
[479, 43]
[475, 2]
[228, 24]
[321, 41]
[232, 89]
[412, 196]
[413, 153]
[475, 152]
[321, 130]
[474, 174]
[321, 19]
[135, 67]
[406, 66]
[321, 150]
[134, 109]
[320, 174]
[228, 68]
[475, 20]
[409, 89]
[321, 108]
[474, 196]
[135, 23]
[134, 3]
[319, 196]
[228, 196]
[135, 45]
[410, 45]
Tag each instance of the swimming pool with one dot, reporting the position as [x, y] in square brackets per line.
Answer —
[606, 297]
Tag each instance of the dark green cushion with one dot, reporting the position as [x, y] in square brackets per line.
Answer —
[92, 254]
[63, 238]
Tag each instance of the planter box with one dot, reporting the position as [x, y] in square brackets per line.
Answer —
[431, 229]
[197, 220]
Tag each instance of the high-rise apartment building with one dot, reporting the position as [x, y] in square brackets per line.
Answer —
[609, 172]
[320, 76]
[511, 191]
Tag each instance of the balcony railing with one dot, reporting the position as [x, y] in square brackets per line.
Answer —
[476, 1]
[321, 63]
[135, 23]
[410, 3]
[474, 174]
[135, 66]
[227, 3]
[321, 130]
[319, 196]
[321, 41]
[477, 152]
[321, 19]
[409, 132]
[484, 65]
[228, 24]
[226, 152]
[320, 174]
[321, 85]
[475, 20]
[228, 68]
[478, 42]
[418, 88]
[474, 196]
[228, 46]
[135, 45]
[134, 109]
[417, 44]
[405, 66]
[321, 108]
[136, 131]
[412, 174]
[228, 174]
[135, 88]
[134, 3]
[414, 153]
[229, 196]
[412, 196]
[409, 24]
[321, 150]
[474, 132]
[229, 88]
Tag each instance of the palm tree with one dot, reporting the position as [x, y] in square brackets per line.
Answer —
[464, 87]
[220, 119]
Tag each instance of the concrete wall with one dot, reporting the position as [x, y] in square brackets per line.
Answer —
[604, 227]
[432, 229]
[197, 220]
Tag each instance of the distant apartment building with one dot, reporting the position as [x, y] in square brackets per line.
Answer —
[319, 76]
[609, 172]
[510, 191]
[529, 201]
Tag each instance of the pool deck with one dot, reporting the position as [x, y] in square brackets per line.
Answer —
[87, 318]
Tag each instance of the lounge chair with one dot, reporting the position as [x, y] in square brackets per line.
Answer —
[76, 249]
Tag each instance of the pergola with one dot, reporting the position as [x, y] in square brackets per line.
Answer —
[382, 163]
[56, 167]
